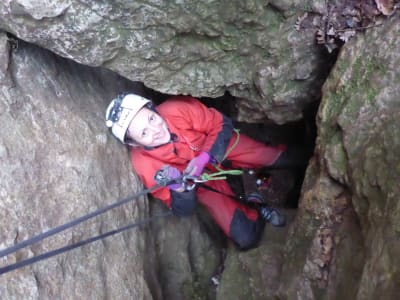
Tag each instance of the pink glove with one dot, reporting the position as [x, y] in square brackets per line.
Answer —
[197, 164]
[167, 173]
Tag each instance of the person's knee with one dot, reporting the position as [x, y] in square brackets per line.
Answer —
[244, 232]
[293, 156]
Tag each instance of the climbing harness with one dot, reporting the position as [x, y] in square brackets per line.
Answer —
[190, 182]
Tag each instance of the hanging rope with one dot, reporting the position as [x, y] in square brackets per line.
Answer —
[219, 175]
[77, 221]
[233, 145]
[61, 250]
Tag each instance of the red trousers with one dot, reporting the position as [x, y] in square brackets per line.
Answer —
[248, 153]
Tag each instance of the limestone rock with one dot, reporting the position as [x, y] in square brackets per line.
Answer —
[255, 274]
[250, 49]
[57, 163]
[344, 241]
[362, 104]
[188, 254]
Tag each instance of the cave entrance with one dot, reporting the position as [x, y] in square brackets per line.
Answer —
[285, 182]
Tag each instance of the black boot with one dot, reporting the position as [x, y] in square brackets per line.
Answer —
[255, 198]
[295, 156]
[272, 215]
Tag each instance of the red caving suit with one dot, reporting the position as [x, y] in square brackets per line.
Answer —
[196, 128]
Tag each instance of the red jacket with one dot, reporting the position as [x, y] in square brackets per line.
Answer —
[195, 128]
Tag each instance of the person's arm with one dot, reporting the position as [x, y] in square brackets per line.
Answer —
[181, 203]
[194, 116]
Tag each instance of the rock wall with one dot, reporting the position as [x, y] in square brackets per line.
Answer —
[344, 243]
[250, 49]
[58, 162]
[362, 153]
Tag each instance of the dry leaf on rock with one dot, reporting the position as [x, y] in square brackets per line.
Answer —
[346, 35]
[386, 7]
[300, 20]
[320, 36]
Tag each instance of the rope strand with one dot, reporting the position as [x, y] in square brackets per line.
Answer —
[233, 145]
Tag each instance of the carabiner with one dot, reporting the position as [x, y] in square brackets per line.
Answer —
[192, 178]
[191, 181]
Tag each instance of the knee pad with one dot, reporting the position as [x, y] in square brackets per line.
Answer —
[244, 232]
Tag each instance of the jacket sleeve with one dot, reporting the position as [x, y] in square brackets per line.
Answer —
[181, 204]
[194, 116]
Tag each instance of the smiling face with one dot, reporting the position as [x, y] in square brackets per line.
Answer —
[148, 129]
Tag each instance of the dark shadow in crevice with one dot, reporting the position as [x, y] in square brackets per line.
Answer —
[299, 136]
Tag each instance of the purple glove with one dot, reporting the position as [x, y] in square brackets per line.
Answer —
[166, 174]
[197, 164]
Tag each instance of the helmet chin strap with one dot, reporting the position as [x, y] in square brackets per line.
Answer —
[131, 142]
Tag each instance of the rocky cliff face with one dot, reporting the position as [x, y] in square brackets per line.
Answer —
[358, 149]
[200, 48]
[56, 159]
[58, 162]
[344, 242]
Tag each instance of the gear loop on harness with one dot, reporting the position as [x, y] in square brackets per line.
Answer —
[190, 181]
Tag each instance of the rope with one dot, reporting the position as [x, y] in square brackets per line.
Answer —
[220, 175]
[77, 221]
[233, 145]
[58, 251]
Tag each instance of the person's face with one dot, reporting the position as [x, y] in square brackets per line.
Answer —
[149, 129]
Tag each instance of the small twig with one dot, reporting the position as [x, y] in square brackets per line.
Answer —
[358, 28]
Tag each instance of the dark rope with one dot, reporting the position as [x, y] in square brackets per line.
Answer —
[49, 254]
[77, 221]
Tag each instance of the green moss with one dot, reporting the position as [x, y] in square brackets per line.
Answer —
[195, 289]
[300, 240]
[292, 85]
[347, 99]
[308, 6]
[330, 110]
[338, 155]
[273, 20]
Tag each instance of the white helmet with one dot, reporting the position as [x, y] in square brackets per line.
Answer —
[121, 111]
